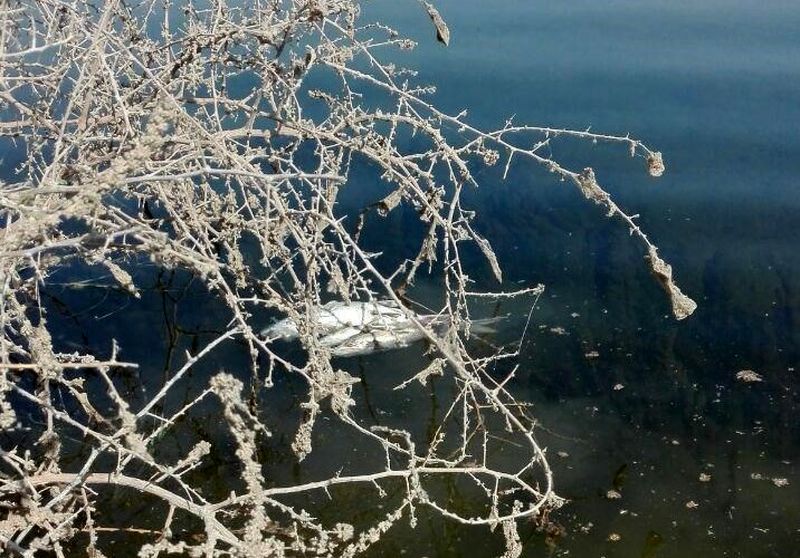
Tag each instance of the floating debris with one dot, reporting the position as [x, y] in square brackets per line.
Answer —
[614, 537]
[558, 330]
[748, 376]
[592, 354]
[613, 494]
[780, 482]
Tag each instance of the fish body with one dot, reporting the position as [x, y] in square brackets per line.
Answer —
[376, 341]
[362, 328]
[282, 329]
[338, 318]
[383, 313]
[339, 336]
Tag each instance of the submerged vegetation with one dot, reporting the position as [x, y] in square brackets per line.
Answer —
[216, 138]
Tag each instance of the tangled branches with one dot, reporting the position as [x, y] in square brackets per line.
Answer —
[216, 139]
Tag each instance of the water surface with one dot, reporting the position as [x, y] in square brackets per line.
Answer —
[715, 86]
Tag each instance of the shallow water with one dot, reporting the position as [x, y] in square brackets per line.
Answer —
[716, 88]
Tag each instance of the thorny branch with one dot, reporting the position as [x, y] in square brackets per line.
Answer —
[140, 144]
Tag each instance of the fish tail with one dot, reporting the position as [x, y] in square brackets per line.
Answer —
[485, 326]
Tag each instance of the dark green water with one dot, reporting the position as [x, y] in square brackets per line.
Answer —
[715, 86]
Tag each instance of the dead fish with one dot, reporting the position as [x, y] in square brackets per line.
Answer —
[361, 328]
[377, 340]
[337, 316]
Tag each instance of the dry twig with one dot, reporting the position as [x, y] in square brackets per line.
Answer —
[138, 147]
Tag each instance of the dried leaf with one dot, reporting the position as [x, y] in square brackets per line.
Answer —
[122, 277]
[442, 32]
[488, 253]
[387, 204]
[682, 305]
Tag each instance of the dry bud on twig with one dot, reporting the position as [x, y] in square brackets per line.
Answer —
[655, 164]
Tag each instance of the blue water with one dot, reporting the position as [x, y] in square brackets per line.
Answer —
[715, 86]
